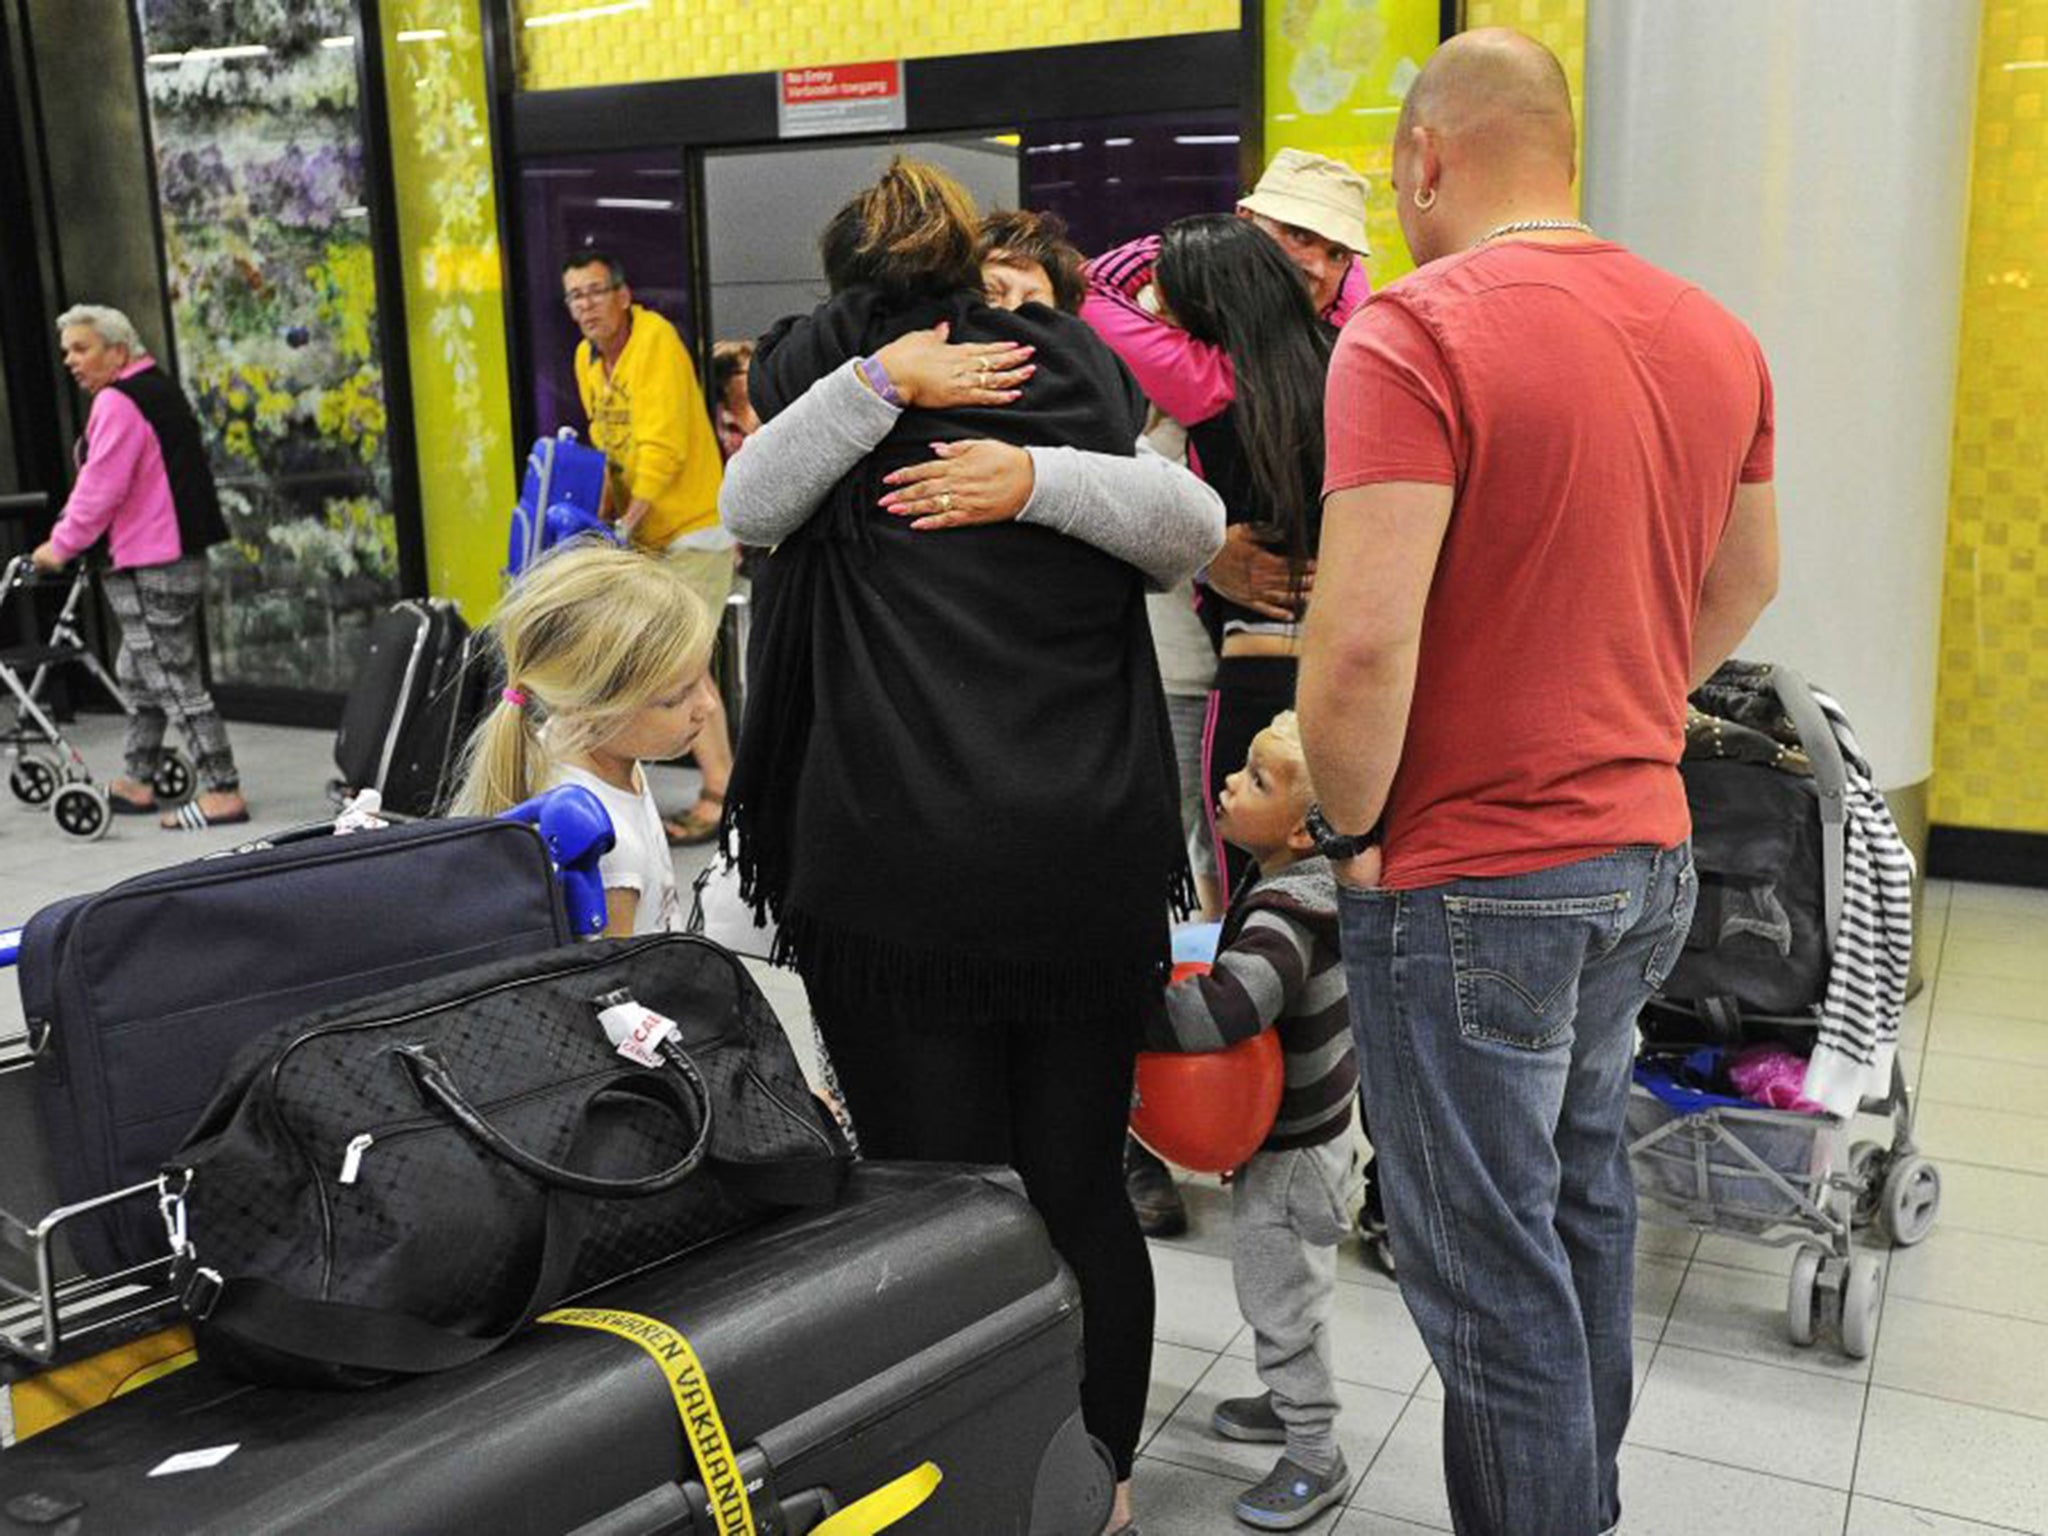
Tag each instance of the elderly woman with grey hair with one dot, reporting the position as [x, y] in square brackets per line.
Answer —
[144, 483]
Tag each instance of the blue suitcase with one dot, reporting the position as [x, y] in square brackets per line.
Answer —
[562, 497]
[137, 997]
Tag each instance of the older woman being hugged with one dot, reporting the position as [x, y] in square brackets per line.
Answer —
[145, 484]
[940, 793]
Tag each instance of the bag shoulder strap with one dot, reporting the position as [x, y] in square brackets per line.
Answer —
[264, 1314]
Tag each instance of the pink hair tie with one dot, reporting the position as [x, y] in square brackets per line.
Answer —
[516, 697]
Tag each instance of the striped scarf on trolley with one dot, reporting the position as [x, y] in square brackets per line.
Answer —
[1873, 953]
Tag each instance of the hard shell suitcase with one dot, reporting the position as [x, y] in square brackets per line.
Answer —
[137, 997]
[416, 692]
[925, 1320]
[561, 496]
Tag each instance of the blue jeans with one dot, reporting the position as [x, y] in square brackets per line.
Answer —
[1495, 1023]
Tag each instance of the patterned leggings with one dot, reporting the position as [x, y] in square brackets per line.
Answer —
[157, 607]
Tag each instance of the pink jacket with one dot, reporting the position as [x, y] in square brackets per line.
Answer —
[1190, 380]
[121, 487]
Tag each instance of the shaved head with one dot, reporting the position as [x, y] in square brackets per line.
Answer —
[1485, 139]
[1497, 93]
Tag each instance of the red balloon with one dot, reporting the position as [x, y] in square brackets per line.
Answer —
[1208, 1111]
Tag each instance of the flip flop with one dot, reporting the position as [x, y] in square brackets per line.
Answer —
[190, 818]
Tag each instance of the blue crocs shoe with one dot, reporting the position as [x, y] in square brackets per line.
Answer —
[1292, 1495]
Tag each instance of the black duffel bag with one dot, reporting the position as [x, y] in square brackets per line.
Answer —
[398, 1186]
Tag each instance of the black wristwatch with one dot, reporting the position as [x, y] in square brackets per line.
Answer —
[1334, 845]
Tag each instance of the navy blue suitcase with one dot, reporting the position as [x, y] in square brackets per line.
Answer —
[923, 1324]
[137, 997]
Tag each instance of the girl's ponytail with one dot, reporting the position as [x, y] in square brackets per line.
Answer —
[499, 766]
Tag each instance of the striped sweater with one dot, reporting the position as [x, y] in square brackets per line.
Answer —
[1277, 964]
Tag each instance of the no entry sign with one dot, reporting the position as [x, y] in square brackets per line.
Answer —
[841, 98]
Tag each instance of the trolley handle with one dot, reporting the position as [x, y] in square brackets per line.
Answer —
[1831, 778]
[23, 503]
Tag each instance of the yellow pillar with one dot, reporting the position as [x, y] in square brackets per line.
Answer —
[454, 293]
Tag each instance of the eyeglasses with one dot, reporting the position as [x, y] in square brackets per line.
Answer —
[576, 296]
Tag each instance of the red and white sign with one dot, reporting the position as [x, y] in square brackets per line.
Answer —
[841, 98]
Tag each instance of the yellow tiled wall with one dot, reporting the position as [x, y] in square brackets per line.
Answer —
[615, 42]
[1991, 712]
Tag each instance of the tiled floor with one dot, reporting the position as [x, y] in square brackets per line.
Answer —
[1944, 1430]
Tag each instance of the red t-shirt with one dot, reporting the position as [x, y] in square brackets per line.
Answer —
[1593, 415]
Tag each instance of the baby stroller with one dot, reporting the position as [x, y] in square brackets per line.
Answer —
[1776, 957]
[45, 768]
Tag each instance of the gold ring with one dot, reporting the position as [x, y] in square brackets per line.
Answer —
[945, 501]
[981, 366]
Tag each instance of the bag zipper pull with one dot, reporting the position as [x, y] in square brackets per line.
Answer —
[352, 1157]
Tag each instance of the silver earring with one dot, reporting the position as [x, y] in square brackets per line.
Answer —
[1425, 198]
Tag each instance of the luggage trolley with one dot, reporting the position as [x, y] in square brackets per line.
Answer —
[1782, 1177]
[44, 767]
[53, 1311]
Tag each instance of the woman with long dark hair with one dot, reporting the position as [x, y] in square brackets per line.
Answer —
[954, 789]
[1224, 282]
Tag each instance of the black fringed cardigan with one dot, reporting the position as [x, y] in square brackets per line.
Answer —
[955, 780]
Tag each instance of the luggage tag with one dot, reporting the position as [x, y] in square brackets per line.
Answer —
[635, 1030]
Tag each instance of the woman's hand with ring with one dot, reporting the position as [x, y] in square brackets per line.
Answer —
[969, 483]
[929, 371]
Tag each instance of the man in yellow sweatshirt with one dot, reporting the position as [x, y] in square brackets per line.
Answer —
[647, 414]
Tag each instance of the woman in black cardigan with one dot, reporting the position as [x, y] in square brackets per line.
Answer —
[955, 789]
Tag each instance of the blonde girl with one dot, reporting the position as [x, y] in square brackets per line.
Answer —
[606, 652]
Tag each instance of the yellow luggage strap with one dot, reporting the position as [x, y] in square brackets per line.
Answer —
[885, 1506]
[712, 1448]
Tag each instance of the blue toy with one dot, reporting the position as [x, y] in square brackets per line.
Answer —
[578, 831]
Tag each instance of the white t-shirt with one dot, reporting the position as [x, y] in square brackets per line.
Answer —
[640, 860]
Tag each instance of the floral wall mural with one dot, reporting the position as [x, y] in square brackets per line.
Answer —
[254, 107]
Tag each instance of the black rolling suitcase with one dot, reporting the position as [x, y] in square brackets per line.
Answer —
[419, 688]
[922, 1325]
[137, 997]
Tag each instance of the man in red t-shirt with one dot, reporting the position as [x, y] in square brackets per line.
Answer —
[1548, 512]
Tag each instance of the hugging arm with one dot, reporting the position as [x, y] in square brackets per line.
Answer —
[774, 484]
[1147, 510]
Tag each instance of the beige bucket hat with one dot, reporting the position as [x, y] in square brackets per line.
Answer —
[1315, 193]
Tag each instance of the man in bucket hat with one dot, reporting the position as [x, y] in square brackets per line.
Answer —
[1314, 207]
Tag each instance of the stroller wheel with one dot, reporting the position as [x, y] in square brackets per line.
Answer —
[34, 779]
[1859, 1305]
[173, 780]
[1867, 1161]
[1802, 1296]
[80, 811]
[1912, 1199]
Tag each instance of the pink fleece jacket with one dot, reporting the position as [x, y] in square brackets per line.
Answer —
[1190, 380]
[121, 488]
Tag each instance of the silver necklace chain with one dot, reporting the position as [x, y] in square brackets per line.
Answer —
[1522, 226]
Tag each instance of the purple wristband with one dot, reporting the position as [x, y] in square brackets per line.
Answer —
[877, 376]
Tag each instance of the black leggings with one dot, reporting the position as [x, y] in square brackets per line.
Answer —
[1249, 691]
[1049, 1098]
